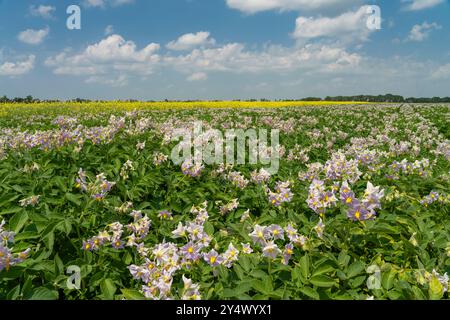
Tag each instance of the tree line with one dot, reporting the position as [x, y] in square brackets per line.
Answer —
[359, 98]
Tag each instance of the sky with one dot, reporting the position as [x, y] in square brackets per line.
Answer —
[224, 49]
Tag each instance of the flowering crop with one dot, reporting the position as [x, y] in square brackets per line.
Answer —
[362, 190]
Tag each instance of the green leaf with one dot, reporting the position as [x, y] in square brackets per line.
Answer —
[26, 235]
[436, 290]
[18, 221]
[49, 240]
[13, 293]
[108, 289]
[259, 286]
[244, 261]
[357, 282]
[387, 279]
[73, 198]
[239, 271]
[322, 281]
[343, 259]
[43, 293]
[130, 294]
[304, 266]
[418, 294]
[11, 210]
[322, 269]
[310, 292]
[355, 269]
[209, 228]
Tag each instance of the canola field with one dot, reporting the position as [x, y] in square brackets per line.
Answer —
[92, 205]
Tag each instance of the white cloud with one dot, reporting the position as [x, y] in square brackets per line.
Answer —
[234, 58]
[443, 72]
[420, 32]
[33, 37]
[17, 68]
[42, 11]
[191, 40]
[111, 55]
[351, 25]
[105, 61]
[198, 76]
[253, 6]
[104, 3]
[109, 30]
[119, 81]
[415, 5]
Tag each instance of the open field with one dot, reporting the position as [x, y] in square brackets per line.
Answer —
[357, 206]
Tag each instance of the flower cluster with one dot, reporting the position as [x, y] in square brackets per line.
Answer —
[30, 168]
[237, 179]
[321, 197]
[361, 210]
[431, 198]
[260, 177]
[420, 168]
[298, 154]
[7, 257]
[98, 189]
[191, 291]
[282, 194]
[190, 169]
[165, 215]
[65, 122]
[124, 208]
[266, 236]
[159, 158]
[157, 273]
[126, 168]
[30, 201]
[338, 168]
[232, 205]
[140, 146]
[313, 172]
[112, 235]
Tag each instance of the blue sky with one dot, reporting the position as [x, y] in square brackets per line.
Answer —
[223, 49]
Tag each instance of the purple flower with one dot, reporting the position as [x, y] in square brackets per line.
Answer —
[271, 250]
[88, 245]
[118, 244]
[287, 253]
[359, 213]
[165, 215]
[212, 258]
[246, 248]
[190, 251]
[276, 232]
[259, 234]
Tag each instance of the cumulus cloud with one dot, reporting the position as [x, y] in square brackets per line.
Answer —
[33, 37]
[351, 25]
[191, 40]
[113, 53]
[254, 6]
[17, 68]
[109, 30]
[420, 32]
[198, 76]
[42, 11]
[104, 3]
[234, 58]
[443, 72]
[114, 56]
[416, 5]
[119, 81]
